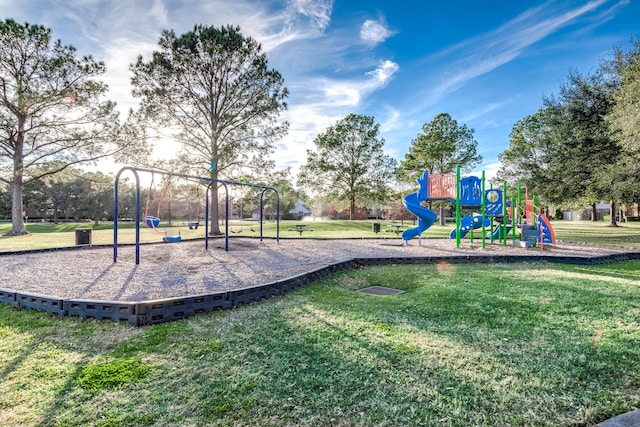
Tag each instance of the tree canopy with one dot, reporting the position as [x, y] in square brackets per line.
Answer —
[526, 160]
[348, 163]
[580, 146]
[211, 90]
[52, 110]
[442, 145]
[624, 117]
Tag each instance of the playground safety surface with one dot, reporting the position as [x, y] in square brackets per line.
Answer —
[186, 268]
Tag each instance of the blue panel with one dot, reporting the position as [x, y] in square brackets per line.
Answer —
[470, 191]
[493, 202]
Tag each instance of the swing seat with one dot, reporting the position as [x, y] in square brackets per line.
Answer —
[152, 221]
[172, 239]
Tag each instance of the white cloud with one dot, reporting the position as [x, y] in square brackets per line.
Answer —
[490, 171]
[300, 20]
[384, 72]
[374, 32]
[326, 101]
[159, 12]
[318, 13]
[481, 55]
[481, 112]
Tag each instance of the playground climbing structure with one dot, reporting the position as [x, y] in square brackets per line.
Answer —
[519, 218]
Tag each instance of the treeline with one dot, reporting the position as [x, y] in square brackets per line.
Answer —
[72, 194]
[582, 146]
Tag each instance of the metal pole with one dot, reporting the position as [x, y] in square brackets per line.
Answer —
[458, 206]
[226, 216]
[505, 215]
[484, 212]
[115, 213]
[261, 213]
[206, 217]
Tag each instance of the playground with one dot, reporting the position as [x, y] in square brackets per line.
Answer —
[484, 332]
[144, 283]
[518, 221]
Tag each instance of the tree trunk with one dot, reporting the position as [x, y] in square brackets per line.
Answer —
[352, 208]
[441, 214]
[215, 224]
[214, 229]
[594, 212]
[612, 214]
[17, 217]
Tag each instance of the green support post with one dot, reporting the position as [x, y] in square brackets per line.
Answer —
[518, 216]
[514, 217]
[484, 212]
[505, 215]
[458, 206]
[492, 224]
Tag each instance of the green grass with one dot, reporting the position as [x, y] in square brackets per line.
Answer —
[533, 344]
[50, 235]
[626, 234]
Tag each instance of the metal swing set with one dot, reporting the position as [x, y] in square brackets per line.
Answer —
[154, 221]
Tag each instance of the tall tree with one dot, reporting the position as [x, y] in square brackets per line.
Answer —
[624, 121]
[529, 158]
[349, 163]
[52, 110]
[440, 148]
[584, 145]
[442, 145]
[212, 91]
[624, 117]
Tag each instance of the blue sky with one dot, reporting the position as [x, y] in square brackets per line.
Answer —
[487, 64]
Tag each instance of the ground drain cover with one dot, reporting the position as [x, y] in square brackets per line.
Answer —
[380, 290]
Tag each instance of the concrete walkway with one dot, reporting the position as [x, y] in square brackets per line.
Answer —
[630, 419]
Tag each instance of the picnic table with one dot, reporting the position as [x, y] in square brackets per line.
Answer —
[300, 228]
[397, 228]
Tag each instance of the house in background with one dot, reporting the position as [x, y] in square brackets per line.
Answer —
[629, 212]
[586, 214]
[299, 211]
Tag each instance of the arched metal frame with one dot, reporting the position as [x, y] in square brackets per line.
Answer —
[211, 181]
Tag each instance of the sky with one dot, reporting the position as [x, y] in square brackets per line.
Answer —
[486, 63]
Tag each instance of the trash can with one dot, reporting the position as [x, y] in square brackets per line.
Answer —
[83, 236]
[375, 227]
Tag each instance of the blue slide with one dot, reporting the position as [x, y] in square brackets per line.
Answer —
[496, 231]
[468, 223]
[426, 217]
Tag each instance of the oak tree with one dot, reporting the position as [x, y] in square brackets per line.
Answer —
[349, 164]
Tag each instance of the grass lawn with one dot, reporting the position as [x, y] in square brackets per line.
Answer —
[514, 344]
